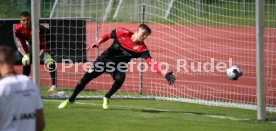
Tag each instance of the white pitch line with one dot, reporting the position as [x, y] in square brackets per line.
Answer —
[161, 110]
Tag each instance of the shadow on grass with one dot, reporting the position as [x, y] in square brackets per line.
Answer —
[169, 111]
[152, 110]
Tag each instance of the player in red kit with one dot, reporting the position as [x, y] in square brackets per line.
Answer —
[23, 37]
[126, 46]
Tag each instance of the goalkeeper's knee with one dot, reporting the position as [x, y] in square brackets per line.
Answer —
[48, 59]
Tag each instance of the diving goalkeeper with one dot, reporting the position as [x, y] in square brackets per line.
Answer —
[23, 36]
[126, 45]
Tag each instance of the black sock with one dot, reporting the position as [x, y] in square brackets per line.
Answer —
[119, 78]
[52, 71]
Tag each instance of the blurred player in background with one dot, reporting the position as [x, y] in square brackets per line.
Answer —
[126, 46]
[24, 37]
[21, 108]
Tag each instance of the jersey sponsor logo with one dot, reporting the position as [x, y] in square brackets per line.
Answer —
[13, 93]
[25, 92]
[116, 46]
[123, 30]
[125, 52]
[10, 96]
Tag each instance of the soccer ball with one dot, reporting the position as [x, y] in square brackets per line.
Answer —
[234, 72]
[61, 94]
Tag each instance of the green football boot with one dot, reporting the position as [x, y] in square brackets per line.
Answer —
[105, 103]
[64, 104]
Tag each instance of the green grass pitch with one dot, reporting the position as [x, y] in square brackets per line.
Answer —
[149, 115]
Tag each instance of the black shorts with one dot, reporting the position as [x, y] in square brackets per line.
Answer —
[107, 63]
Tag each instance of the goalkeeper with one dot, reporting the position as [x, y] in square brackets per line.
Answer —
[126, 45]
[23, 36]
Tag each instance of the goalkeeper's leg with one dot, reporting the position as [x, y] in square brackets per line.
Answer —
[88, 76]
[80, 86]
[119, 78]
[52, 72]
[48, 60]
[82, 83]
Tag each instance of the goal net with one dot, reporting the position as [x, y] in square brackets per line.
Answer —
[198, 39]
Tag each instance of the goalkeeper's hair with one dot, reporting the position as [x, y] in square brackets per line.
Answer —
[145, 27]
[25, 14]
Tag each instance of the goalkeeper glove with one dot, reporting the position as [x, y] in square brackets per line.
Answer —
[48, 59]
[26, 60]
[170, 77]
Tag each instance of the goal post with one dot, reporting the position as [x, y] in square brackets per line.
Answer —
[260, 60]
[35, 16]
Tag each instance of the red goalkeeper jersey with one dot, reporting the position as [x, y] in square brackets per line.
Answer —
[124, 49]
[24, 35]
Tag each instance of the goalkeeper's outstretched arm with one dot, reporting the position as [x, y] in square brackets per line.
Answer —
[168, 75]
[100, 41]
